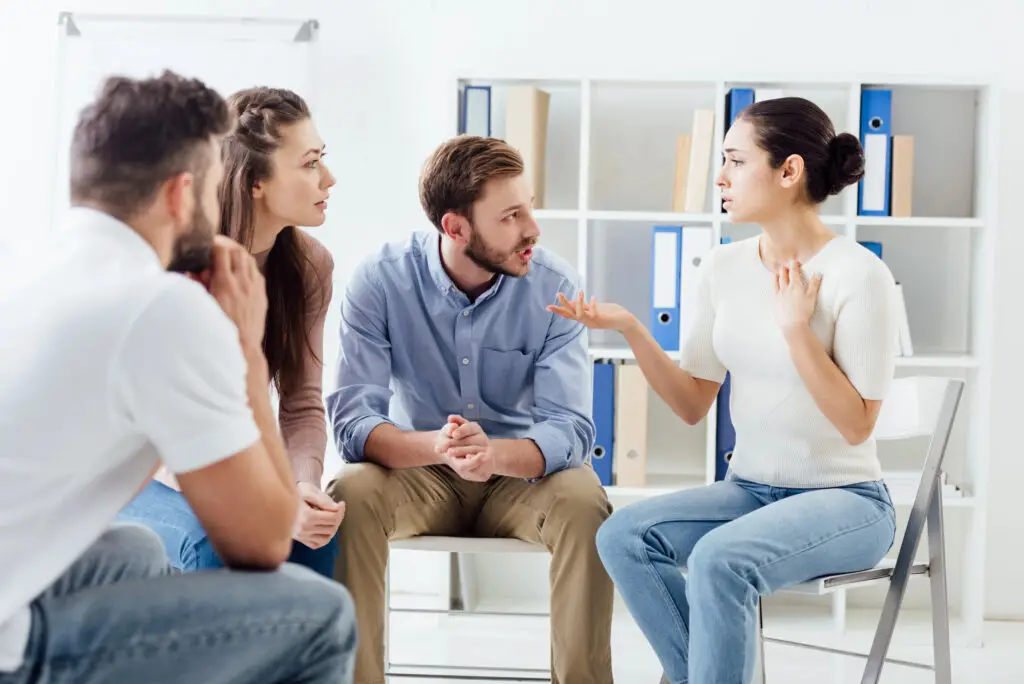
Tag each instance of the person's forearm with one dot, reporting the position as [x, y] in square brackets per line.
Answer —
[832, 391]
[257, 381]
[518, 458]
[392, 447]
[675, 386]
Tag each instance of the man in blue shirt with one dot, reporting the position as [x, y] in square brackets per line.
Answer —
[466, 404]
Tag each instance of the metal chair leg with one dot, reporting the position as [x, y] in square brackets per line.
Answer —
[387, 616]
[898, 585]
[940, 600]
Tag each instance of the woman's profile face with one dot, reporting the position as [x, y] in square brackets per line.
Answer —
[296, 192]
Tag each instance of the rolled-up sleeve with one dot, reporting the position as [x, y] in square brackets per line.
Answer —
[360, 402]
[563, 386]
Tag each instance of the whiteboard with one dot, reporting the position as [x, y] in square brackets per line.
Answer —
[227, 54]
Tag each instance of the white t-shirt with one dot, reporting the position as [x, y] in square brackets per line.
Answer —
[782, 437]
[110, 364]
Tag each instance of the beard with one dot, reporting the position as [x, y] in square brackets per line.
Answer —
[491, 259]
[192, 251]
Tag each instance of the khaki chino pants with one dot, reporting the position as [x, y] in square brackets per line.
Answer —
[562, 512]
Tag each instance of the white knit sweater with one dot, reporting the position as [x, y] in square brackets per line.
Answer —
[782, 438]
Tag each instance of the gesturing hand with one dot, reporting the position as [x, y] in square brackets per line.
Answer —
[319, 516]
[795, 296]
[600, 315]
[466, 449]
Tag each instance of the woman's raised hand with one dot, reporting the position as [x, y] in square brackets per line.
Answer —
[593, 314]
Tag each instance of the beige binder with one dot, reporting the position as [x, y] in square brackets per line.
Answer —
[902, 174]
[700, 160]
[631, 397]
[682, 169]
[526, 129]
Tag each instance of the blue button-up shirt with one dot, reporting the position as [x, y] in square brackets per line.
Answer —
[414, 350]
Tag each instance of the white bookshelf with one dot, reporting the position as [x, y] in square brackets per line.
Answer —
[610, 163]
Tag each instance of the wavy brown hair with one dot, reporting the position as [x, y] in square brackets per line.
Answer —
[260, 114]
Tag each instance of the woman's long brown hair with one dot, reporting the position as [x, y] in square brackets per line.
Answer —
[290, 275]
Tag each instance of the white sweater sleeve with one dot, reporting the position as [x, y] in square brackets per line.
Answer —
[698, 357]
[864, 345]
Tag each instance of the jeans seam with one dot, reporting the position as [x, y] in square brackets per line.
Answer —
[667, 596]
[196, 640]
[761, 566]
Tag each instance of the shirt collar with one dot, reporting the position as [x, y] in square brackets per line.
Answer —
[92, 223]
[437, 273]
[441, 278]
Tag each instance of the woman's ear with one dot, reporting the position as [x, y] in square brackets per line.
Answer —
[792, 170]
[257, 190]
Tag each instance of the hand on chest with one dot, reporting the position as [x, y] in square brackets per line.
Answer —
[750, 321]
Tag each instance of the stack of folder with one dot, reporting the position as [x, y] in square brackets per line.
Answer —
[693, 164]
[888, 183]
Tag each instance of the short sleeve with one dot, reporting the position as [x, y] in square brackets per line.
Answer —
[698, 356]
[181, 379]
[864, 343]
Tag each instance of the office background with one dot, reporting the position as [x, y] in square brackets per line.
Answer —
[384, 81]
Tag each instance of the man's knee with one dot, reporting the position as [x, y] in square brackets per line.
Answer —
[359, 484]
[135, 550]
[580, 502]
[330, 602]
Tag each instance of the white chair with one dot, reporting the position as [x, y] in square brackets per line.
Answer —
[915, 407]
[458, 546]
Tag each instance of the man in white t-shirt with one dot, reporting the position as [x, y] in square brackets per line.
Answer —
[112, 365]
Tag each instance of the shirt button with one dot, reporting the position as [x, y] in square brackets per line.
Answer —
[470, 406]
[465, 313]
[465, 361]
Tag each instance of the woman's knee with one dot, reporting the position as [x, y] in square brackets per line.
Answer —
[715, 554]
[616, 534]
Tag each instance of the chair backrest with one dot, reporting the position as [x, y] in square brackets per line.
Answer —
[916, 407]
[921, 406]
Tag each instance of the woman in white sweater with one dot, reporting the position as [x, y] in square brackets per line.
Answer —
[804, 321]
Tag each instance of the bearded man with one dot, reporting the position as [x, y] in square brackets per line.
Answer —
[463, 405]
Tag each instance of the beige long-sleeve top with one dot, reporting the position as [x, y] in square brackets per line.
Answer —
[301, 413]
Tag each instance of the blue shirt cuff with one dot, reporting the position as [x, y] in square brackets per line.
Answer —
[553, 445]
[359, 432]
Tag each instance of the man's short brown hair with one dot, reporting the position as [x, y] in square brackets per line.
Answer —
[454, 176]
[139, 133]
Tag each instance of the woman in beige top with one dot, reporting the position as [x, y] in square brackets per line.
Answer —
[274, 180]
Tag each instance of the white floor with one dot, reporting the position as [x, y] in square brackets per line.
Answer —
[491, 642]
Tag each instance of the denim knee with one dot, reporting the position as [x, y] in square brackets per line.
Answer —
[136, 549]
[712, 557]
[614, 536]
[326, 601]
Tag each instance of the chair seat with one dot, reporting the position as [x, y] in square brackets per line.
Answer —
[830, 583]
[467, 545]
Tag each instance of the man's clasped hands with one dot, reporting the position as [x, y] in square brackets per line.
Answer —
[464, 446]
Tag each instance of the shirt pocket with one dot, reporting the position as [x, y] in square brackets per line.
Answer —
[506, 379]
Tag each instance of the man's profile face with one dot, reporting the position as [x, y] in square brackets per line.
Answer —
[503, 228]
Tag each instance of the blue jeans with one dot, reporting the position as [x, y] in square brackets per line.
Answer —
[121, 614]
[166, 512]
[738, 540]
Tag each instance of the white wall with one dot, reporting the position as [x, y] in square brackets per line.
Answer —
[386, 98]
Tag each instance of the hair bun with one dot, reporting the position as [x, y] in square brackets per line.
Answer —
[846, 161]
